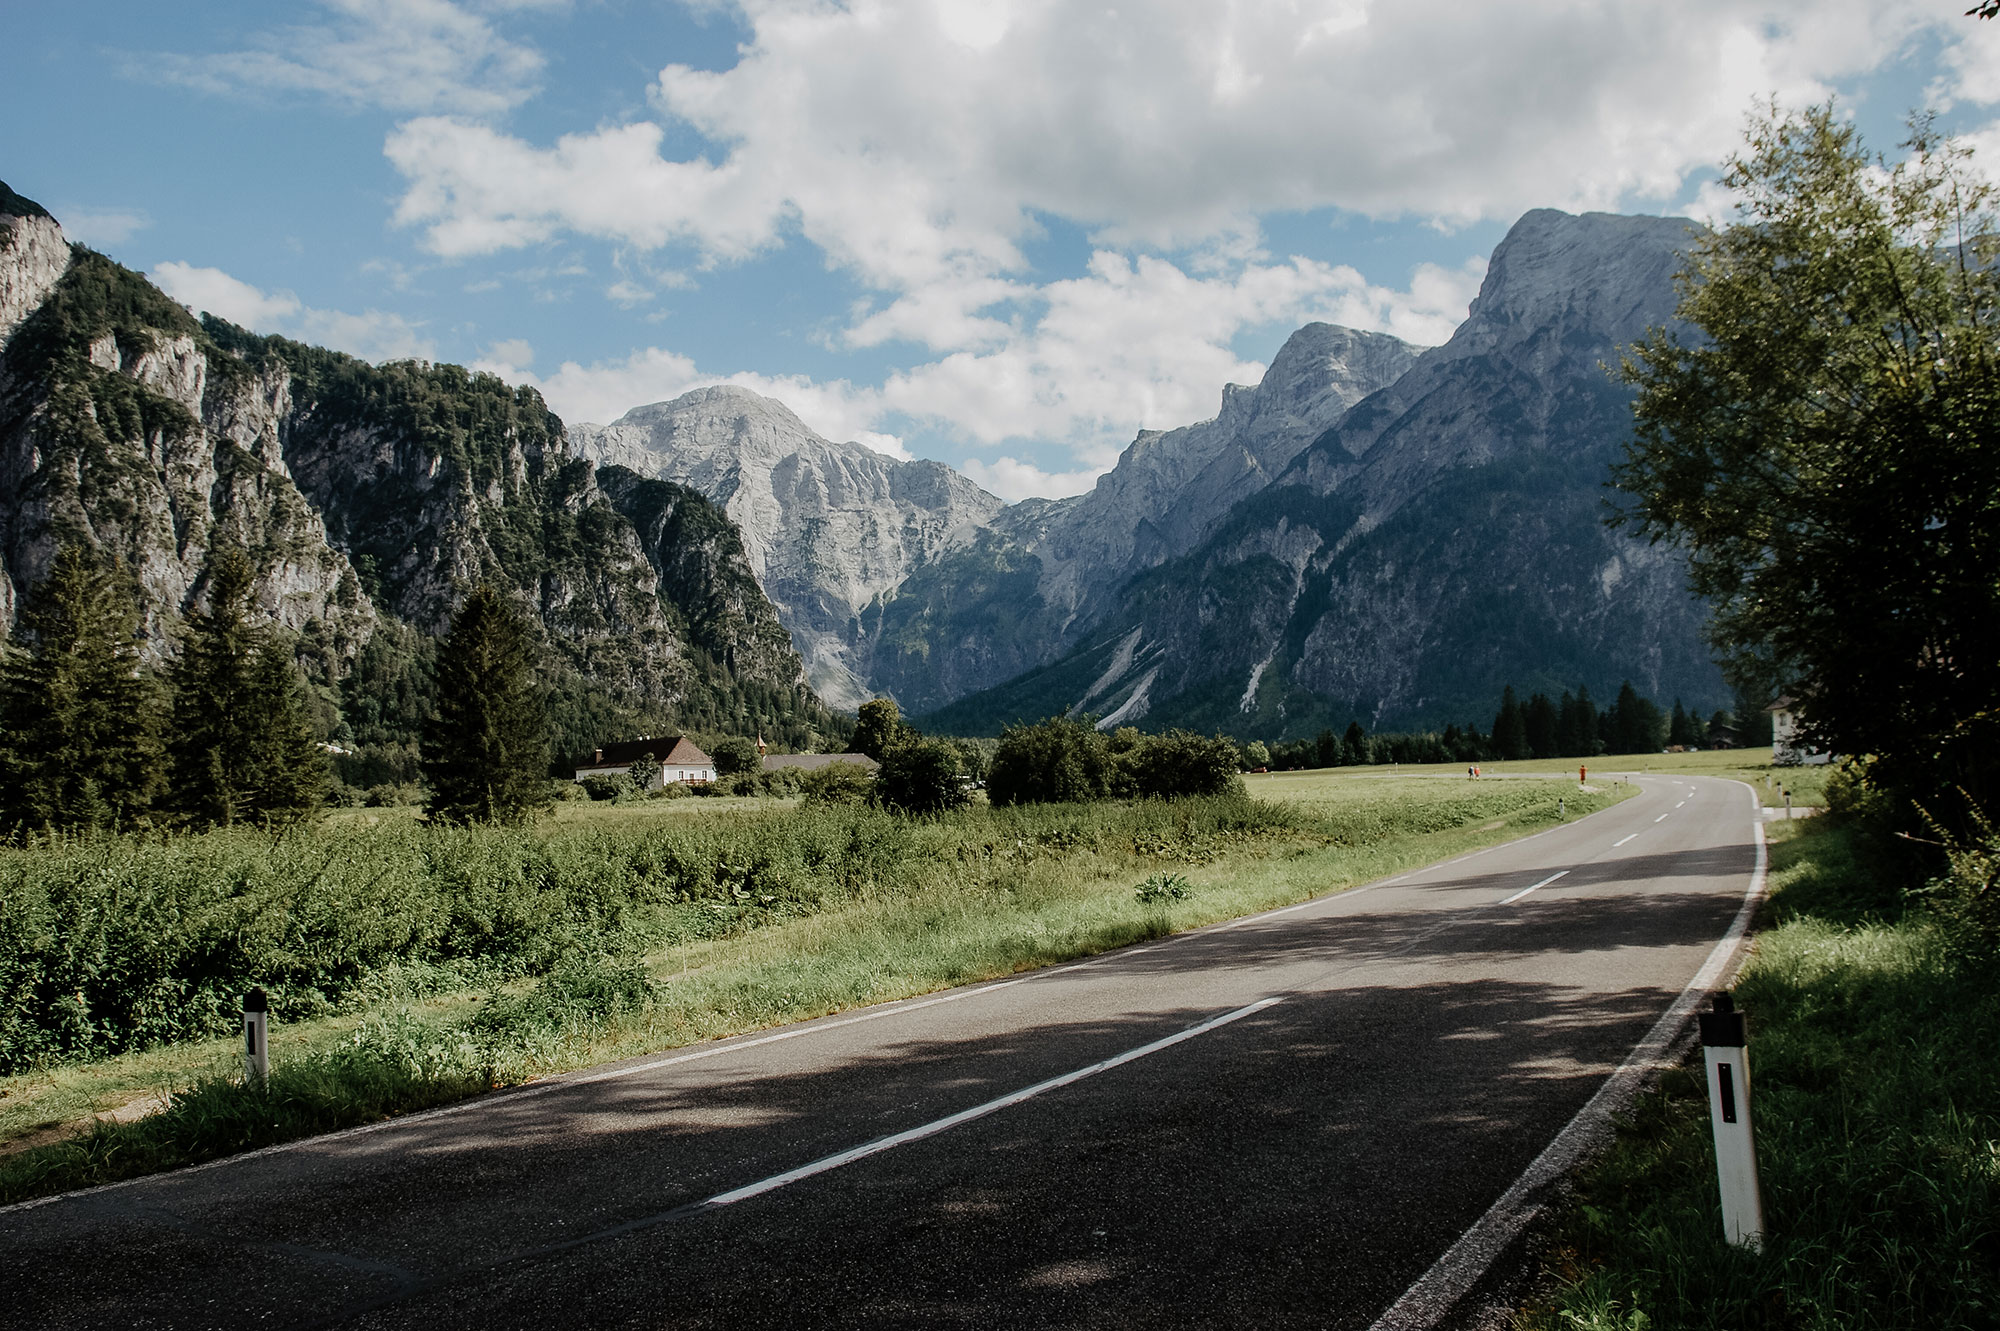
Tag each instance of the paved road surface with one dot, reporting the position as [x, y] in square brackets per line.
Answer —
[1300, 1113]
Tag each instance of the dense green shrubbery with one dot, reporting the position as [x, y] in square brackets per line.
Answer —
[114, 944]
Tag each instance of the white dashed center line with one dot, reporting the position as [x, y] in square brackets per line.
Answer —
[1622, 840]
[1524, 891]
[1663, 817]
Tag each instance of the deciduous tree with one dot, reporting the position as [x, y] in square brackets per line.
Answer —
[1821, 437]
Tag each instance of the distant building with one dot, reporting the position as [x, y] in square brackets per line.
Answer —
[813, 762]
[668, 759]
[1786, 750]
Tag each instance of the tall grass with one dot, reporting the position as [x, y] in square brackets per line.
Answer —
[554, 949]
[1873, 1040]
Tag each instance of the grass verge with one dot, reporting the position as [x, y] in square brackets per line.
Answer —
[1071, 889]
[1877, 1111]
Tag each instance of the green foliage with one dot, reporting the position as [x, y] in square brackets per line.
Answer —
[1510, 728]
[1256, 755]
[1633, 724]
[607, 787]
[242, 748]
[922, 776]
[486, 751]
[80, 748]
[1163, 887]
[838, 783]
[1821, 445]
[735, 754]
[1058, 761]
[878, 728]
[1181, 764]
[1876, 1081]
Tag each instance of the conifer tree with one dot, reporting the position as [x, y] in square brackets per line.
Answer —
[81, 748]
[242, 747]
[1355, 749]
[1541, 724]
[1510, 729]
[486, 746]
[288, 777]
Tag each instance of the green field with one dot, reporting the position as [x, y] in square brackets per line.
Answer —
[412, 965]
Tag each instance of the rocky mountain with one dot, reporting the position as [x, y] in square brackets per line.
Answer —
[905, 578]
[370, 498]
[1443, 537]
[830, 528]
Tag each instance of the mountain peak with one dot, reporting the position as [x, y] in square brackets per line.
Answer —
[1612, 270]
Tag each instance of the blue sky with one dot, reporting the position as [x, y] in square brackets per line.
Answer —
[1003, 233]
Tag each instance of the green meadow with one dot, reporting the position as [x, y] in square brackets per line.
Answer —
[410, 965]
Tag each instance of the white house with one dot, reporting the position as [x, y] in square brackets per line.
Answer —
[668, 759]
[1786, 751]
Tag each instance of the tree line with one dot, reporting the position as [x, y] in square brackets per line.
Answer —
[1572, 726]
[91, 739]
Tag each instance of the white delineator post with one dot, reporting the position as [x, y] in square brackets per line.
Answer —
[1724, 1049]
[256, 1037]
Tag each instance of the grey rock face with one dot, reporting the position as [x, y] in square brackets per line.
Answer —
[905, 578]
[1170, 488]
[1444, 537]
[830, 528]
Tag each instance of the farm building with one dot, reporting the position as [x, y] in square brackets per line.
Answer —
[813, 762]
[667, 759]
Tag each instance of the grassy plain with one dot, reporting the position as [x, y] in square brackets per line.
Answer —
[922, 905]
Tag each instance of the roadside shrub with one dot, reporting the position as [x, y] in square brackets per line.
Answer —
[1061, 760]
[1163, 887]
[1180, 764]
[921, 776]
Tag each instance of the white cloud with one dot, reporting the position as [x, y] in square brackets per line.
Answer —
[101, 228]
[916, 140]
[398, 55]
[1014, 480]
[373, 336]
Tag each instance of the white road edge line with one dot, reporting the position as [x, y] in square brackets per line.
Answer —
[950, 1121]
[894, 1007]
[1439, 1289]
[1508, 901]
[1622, 840]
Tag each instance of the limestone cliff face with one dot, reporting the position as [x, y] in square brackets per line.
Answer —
[905, 578]
[1443, 538]
[1170, 488]
[829, 528]
[118, 429]
[364, 495]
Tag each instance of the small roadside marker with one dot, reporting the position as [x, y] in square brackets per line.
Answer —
[1724, 1048]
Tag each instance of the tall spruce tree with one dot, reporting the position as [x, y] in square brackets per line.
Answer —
[242, 748]
[81, 748]
[1543, 725]
[1510, 728]
[486, 745]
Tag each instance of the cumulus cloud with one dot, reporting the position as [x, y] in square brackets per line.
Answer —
[1014, 480]
[373, 336]
[917, 140]
[1134, 342]
[396, 55]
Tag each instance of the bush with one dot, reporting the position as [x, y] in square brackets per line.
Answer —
[1163, 887]
[922, 776]
[1181, 764]
[838, 783]
[734, 756]
[606, 787]
[1059, 761]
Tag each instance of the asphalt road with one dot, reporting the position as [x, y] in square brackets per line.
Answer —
[1277, 1122]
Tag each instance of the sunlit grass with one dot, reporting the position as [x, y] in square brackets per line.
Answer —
[983, 895]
